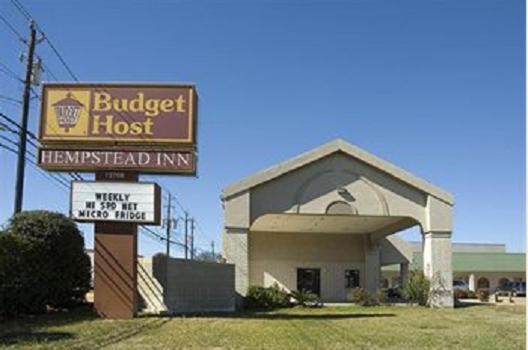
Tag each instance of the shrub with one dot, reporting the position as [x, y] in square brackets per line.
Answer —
[393, 294]
[42, 257]
[361, 297]
[460, 294]
[464, 294]
[17, 281]
[266, 297]
[418, 288]
[483, 294]
[381, 295]
[305, 298]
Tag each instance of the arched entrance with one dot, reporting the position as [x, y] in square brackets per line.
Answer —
[334, 209]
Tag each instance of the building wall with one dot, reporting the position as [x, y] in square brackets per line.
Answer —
[189, 286]
[392, 277]
[275, 257]
[312, 188]
[493, 277]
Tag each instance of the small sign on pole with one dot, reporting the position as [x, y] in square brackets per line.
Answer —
[129, 202]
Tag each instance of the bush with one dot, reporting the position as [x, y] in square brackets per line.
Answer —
[393, 294]
[464, 294]
[305, 298]
[460, 294]
[471, 295]
[418, 288]
[17, 281]
[361, 297]
[483, 295]
[266, 297]
[42, 264]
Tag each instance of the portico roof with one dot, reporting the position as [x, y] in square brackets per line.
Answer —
[325, 223]
[325, 150]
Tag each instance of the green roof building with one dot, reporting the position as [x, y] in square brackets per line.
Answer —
[479, 265]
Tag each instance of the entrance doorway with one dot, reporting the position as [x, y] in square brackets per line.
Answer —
[309, 280]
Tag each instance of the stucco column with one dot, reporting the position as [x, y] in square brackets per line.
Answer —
[404, 274]
[236, 252]
[372, 265]
[437, 267]
[235, 239]
[471, 282]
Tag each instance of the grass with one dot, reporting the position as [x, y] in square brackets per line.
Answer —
[476, 327]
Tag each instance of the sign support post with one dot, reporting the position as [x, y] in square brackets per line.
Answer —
[115, 261]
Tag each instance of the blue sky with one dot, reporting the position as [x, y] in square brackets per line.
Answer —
[436, 87]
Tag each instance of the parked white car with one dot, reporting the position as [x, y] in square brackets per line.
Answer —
[460, 285]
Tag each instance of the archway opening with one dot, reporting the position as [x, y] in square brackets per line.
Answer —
[483, 283]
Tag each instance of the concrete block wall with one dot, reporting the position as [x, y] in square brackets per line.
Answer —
[195, 286]
[150, 290]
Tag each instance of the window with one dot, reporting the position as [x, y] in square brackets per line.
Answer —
[483, 282]
[341, 208]
[503, 282]
[459, 283]
[351, 278]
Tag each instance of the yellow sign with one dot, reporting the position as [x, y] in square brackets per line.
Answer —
[67, 113]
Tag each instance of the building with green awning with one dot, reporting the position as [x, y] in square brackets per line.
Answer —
[479, 265]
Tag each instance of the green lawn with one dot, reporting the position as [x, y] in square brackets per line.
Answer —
[476, 327]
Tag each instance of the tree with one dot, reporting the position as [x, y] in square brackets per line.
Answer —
[208, 256]
[42, 257]
[418, 288]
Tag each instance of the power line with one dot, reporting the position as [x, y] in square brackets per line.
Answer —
[10, 75]
[8, 71]
[157, 235]
[60, 57]
[12, 28]
[12, 150]
[32, 136]
[33, 155]
[15, 132]
[47, 69]
[29, 17]
[12, 122]
[24, 12]
[7, 139]
[10, 99]
[57, 180]
[21, 9]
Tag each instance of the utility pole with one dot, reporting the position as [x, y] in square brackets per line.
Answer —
[169, 227]
[21, 162]
[192, 239]
[186, 236]
[213, 250]
[168, 238]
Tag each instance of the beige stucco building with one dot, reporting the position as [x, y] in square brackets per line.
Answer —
[326, 220]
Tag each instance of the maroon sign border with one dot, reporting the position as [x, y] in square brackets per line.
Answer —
[116, 142]
[90, 168]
